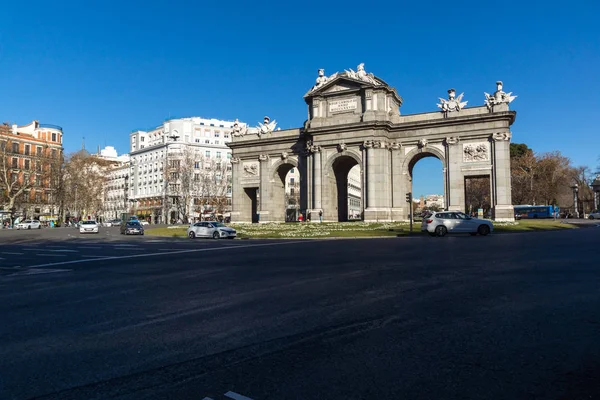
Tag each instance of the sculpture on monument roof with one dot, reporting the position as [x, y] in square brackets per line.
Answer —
[453, 103]
[361, 74]
[267, 127]
[322, 79]
[499, 97]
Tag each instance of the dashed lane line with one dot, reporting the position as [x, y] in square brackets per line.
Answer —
[65, 251]
[166, 253]
[236, 396]
[51, 255]
[13, 254]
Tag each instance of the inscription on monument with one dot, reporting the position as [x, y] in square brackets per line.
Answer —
[343, 105]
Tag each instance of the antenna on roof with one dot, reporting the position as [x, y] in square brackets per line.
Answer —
[83, 143]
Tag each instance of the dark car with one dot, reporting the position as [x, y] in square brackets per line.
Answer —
[132, 228]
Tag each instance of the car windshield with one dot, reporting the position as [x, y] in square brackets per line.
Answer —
[89, 222]
[136, 224]
[218, 224]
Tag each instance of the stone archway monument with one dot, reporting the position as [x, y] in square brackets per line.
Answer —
[354, 119]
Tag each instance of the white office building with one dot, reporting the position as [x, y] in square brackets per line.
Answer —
[156, 166]
[116, 184]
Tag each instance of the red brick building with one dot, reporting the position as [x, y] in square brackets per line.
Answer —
[30, 158]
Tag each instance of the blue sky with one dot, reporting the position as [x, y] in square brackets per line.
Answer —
[102, 70]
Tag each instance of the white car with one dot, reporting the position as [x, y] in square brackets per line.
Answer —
[90, 226]
[594, 215]
[29, 224]
[144, 223]
[440, 223]
[215, 230]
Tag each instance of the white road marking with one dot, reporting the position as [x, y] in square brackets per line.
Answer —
[236, 396]
[39, 271]
[65, 251]
[14, 254]
[51, 255]
[93, 256]
[167, 254]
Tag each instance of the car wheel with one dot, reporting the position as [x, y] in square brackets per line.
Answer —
[441, 231]
[29, 227]
[473, 233]
[40, 227]
[191, 235]
[216, 235]
[483, 230]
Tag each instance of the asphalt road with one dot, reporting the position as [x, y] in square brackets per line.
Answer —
[500, 317]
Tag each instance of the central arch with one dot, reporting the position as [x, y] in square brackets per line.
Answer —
[338, 168]
[416, 155]
[284, 188]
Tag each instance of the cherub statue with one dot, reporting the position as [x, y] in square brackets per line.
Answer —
[453, 103]
[238, 130]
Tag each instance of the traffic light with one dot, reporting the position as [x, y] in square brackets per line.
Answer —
[408, 197]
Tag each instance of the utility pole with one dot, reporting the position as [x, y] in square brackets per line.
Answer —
[410, 209]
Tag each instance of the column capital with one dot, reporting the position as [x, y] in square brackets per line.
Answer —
[263, 157]
[395, 146]
[499, 136]
[367, 144]
[452, 140]
[235, 160]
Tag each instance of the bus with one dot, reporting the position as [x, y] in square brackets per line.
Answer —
[535, 212]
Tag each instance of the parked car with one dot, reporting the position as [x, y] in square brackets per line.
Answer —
[89, 226]
[144, 223]
[594, 215]
[115, 222]
[132, 228]
[443, 222]
[215, 230]
[29, 224]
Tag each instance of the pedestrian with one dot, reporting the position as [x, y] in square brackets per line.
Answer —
[320, 215]
[300, 217]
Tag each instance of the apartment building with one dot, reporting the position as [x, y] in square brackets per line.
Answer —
[159, 159]
[31, 156]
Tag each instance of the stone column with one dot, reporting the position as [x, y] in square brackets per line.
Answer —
[369, 187]
[398, 201]
[266, 195]
[317, 178]
[503, 209]
[454, 175]
[241, 204]
[378, 181]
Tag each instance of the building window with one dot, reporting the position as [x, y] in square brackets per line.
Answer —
[53, 153]
[197, 164]
[15, 163]
[142, 146]
[226, 135]
[212, 124]
[197, 140]
[206, 141]
[27, 164]
[228, 156]
[174, 175]
[38, 151]
[216, 142]
[207, 153]
[217, 134]
[54, 137]
[142, 139]
[196, 177]
[27, 149]
[218, 154]
[292, 171]
[291, 181]
[291, 191]
[15, 147]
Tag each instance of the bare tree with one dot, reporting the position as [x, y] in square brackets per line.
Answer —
[213, 183]
[23, 170]
[83, 183]
[477, 193]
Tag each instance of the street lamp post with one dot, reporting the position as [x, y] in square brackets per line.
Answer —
[575, 188]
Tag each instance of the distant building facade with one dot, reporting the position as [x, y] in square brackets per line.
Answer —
[155, 158]
[116, 185]
[31, 156]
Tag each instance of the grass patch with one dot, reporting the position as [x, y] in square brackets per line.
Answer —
[530, 225]
[352, 229]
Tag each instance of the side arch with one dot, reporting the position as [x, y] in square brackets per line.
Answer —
[411, 158]
[336, 191]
